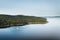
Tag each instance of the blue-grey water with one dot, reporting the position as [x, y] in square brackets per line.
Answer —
[51, 29]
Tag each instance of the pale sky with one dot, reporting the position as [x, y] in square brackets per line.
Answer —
[30, 7]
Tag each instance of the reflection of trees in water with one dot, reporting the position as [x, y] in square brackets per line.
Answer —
[15, 29]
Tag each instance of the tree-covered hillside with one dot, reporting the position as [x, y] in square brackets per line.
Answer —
[18, 20]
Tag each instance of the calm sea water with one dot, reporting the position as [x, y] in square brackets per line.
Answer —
[51, 29]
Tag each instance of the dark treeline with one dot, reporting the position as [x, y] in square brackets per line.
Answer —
[10, 20]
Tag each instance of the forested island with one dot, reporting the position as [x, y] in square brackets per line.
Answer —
[20, 20]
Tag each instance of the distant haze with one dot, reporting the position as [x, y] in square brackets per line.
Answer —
[30, 7]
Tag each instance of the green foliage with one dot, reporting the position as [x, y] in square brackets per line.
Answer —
[19, 19]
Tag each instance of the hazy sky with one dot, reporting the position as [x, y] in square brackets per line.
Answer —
[30, 7]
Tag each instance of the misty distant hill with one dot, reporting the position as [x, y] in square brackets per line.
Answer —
[52, 16]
